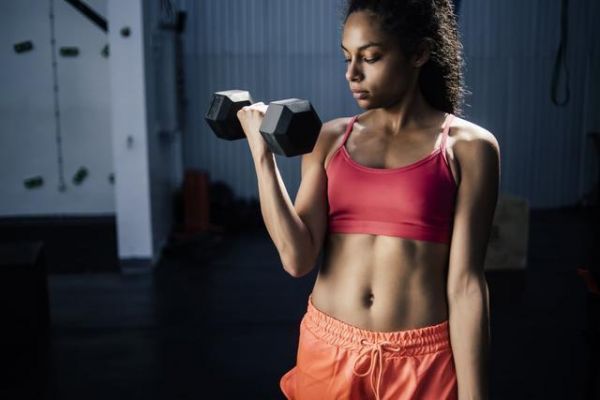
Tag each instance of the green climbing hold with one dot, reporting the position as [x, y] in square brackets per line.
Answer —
[33, 182]
[23, 47]
[69, 51]
[80, 175]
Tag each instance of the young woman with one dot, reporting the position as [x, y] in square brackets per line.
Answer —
[400, 199]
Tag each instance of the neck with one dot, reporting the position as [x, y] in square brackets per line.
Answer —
[411, 112]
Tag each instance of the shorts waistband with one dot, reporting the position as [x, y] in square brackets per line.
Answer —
[423, 340]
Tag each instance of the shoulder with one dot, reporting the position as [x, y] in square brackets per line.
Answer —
[334, 128]
[331, 134]
[472, 145]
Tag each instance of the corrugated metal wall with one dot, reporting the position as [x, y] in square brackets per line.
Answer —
[285, 48]
[510, 49]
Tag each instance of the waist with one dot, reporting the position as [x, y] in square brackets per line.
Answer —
[380, 306]
[423, 340]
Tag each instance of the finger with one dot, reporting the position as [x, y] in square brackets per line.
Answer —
[257, 106]
[263, 107]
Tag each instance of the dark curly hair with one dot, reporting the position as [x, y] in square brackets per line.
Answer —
[411, 21]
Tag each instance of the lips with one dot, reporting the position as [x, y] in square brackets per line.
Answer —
[359, 94]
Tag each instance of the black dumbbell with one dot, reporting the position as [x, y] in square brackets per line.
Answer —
[290, 127]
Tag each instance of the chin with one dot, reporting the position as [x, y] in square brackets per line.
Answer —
[367, 104]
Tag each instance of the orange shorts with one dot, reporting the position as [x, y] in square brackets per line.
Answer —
[336, 360]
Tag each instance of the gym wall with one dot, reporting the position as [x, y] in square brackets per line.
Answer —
[28, 145]
[287, 48]
[120, 138]
[146, 135]
[511, 48]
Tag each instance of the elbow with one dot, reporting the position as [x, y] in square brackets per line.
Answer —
[296, 273]
[299, 268]
[299, 261]
[477, 289]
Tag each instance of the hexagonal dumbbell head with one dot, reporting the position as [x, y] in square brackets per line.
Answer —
[291, 127]
[221, 115]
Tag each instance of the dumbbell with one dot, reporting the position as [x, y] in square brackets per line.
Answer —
[290, 126]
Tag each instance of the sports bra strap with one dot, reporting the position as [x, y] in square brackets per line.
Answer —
[349, 129]
[447, 124]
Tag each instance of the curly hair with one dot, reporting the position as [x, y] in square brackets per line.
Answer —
[412, 21]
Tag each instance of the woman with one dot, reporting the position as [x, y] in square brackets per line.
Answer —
[400, 199]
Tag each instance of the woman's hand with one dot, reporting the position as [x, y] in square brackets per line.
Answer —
[250, 118]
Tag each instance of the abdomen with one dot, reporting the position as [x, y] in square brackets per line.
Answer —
[382, 283]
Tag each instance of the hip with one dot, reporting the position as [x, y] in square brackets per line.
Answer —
[337, 360]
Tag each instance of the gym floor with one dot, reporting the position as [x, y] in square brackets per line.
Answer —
[218, 319]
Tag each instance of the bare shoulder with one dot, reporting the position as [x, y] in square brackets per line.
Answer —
[331, 134]
[469, 141]
[462, 130]
[334, 128]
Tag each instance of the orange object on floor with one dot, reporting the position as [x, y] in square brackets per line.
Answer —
[336, 360]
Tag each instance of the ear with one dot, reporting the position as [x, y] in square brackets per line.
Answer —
[422, 53]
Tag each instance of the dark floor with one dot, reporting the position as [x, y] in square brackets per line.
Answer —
[219, 320]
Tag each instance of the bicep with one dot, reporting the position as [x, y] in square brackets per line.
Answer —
[311, 201]
[477, 195]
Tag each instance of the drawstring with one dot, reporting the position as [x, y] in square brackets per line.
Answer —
[376, 355]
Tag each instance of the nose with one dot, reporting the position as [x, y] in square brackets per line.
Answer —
[353, 72]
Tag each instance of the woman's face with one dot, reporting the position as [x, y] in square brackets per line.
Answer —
[377, 71]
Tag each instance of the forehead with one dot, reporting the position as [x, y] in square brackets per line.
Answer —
[362, 27]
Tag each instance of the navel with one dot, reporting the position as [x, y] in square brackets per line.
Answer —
[369, 298]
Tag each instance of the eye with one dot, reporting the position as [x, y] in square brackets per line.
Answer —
[367, 60]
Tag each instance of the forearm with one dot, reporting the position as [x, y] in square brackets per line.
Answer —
[470, 340]
[288, 232]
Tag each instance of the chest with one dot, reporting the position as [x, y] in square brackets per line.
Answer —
[380, 152]
[388, 152]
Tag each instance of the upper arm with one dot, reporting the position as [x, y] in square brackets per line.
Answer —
[478, 156]
[311, 201]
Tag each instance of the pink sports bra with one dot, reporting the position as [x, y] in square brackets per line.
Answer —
[415, 201]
